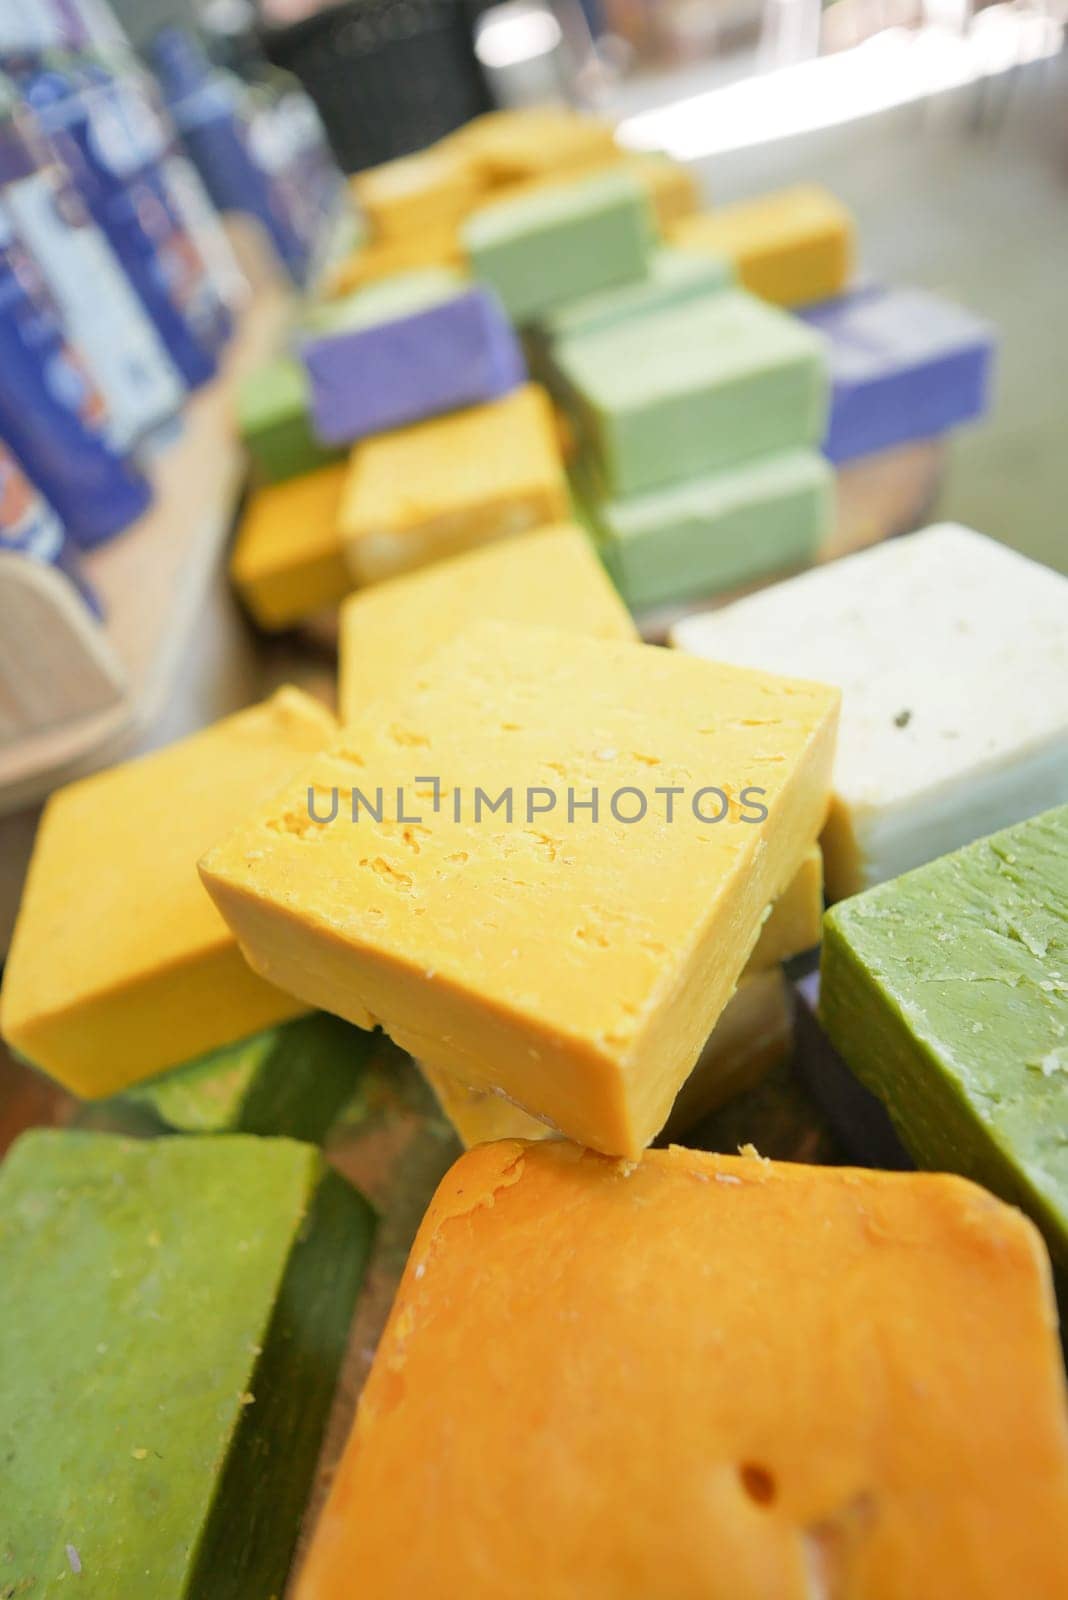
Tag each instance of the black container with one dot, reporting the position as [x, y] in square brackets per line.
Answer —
[387, 76]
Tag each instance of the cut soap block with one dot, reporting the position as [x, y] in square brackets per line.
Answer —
[455, 349]
[905, 366]
[674, 277]
[791, 247]
[120, 967]
[946, 991]
[523, 144]
[432, 189]
[708, 384]
[274, 419]
[172, 1362]
[448, 485]
[578, 965]
[292, 1080]
[550, 576]
[289, 560]
[952, 654]
[706, 1375]
[719, 531]
[752, 1034]
[556, 243]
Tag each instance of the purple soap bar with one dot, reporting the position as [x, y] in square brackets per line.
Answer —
[905, 365]
[458, 351]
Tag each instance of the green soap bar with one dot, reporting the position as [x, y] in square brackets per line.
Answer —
[176, 1313]
[718, 531]
[274, 420]
[293, 1080]
[946, 992]
[712, 383]
[674, 277]
[561, 241]
[399, 296]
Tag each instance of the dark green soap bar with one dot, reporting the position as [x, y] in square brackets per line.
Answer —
[176, 1311]
[274, 420]
[946, 992]
[290, 1080]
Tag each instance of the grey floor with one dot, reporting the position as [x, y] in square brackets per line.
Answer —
[968, 194]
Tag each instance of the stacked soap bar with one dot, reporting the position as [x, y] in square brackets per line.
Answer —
[946, 992]
[952, 654]
[670, 1388]
[415, 207]
[697, 425]
[446, 485]
[672, 278]
[456, 348]
[905, 366]
[274, 420]
[120, 967]
[561, 241]
[719, 530]
[752, 1036]
[388, 633]
[793, 247]
[575, 961]
[722, 380]
[292, 1080]
[288, 561]
[171, 1364]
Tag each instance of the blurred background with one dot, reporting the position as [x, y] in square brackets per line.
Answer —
[942, 123]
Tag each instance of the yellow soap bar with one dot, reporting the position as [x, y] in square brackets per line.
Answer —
[447, 485]
[433, 189]
[792, 247]
[706, 1377]
[672, 188]
[550, 576]
[120, 966]
[753, 1035]
[289, 558]
[794, 921]
[576, 963]
[385, 258]
[515, 145]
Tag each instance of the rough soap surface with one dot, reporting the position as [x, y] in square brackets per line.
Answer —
[946, 991]
[166, 1379]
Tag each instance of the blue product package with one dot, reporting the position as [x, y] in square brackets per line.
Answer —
[51, 412]
[30, 527]
[107, 140]
[212, 114]
[101, 313]
[457, 352]
[905, 365]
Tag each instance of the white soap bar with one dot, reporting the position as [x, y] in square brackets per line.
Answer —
[952, 654]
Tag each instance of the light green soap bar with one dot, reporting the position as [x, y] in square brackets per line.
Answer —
[561, 241]
[711, 383]
[274, 420]
[946, 992]
[176, 1313]
[290, 1080]
[674, 277]
[719, 531]
[398, 296]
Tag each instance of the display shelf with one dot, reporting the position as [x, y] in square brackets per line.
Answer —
[114, 680]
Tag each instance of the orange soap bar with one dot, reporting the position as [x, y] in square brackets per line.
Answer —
[702, 1377]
